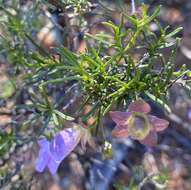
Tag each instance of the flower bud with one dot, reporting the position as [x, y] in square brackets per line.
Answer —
[107, 150]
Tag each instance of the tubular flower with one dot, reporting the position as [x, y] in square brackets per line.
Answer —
[138, 124]
[52, 153]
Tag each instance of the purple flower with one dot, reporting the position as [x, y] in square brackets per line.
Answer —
[53, 152]
[138, 124]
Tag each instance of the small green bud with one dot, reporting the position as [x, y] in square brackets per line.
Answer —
[107, 150]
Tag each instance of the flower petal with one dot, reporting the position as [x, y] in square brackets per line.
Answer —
[53, 166]
[43, 143]
[139, 106]
[42, 160]
[120, 131]
[52, 153]
[150, 139]
[43, 156]
[158, 124]
[64, 143]
[61, 146]
[57, 147]
[120, 118]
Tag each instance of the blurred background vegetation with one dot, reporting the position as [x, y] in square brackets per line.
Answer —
[30, 32]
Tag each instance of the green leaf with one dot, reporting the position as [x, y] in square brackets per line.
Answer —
[64, 116]
[111, 25]
[150, 18]
[188, 73]
[67, 55]
[131, 19]
[173, 33]
[102, 38]
[144, 10]
[159, 101]
[105, 111]
[55, 119]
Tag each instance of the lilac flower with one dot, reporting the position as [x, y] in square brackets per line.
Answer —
[138, 124]
[53, 152]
